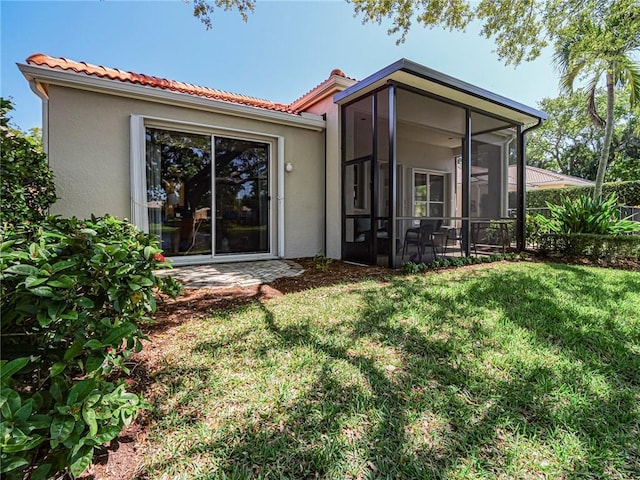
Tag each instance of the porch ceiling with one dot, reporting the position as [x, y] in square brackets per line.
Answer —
[431, 81]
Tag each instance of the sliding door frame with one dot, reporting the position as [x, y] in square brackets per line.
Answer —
[139, 209]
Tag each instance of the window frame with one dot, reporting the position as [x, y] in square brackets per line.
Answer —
[428, 202]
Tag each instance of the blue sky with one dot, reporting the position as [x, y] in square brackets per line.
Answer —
[284, 50]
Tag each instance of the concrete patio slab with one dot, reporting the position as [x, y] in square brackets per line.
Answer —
[239, 274]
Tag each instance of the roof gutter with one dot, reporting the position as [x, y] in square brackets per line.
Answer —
[39, 90]
[521, 187]
[533, 127]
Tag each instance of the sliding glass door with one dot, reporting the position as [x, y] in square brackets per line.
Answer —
[179, 191]
[242, 196]
[208, 195]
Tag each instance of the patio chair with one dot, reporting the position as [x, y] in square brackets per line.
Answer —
[453, 235]
[421, 236]
[438, 242]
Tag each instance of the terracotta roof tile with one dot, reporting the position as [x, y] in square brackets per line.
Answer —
[156, 82]
[336, 72]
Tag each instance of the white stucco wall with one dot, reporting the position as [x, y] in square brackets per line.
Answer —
[89, 151]
[333, 181]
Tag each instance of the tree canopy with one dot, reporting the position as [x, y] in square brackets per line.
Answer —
[204, 9]
[602, 48]
[520, 28]
[625, 161]
[569, 142]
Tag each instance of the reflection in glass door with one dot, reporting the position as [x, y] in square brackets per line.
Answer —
[181, 195]
[178, 174]
[242, 196]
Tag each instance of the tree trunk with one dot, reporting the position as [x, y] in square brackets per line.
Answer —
[608, 135]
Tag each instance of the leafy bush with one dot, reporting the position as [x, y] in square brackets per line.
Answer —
[585, 215]
[628, 194]
[440, 263]
[26, 181]
[321, 262]
[73, 296]
[611, 247]
[537, 225]
[412, 267]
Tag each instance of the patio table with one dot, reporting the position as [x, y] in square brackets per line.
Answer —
[503, 228]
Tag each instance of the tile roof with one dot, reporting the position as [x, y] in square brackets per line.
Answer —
[156, 82]
[336, 72]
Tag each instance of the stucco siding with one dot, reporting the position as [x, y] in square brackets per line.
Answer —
[333, 202]
[89, 152]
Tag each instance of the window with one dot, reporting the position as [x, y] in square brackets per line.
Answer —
[429, 197]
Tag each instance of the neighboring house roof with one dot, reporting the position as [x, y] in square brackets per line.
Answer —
[296, 107]
[535, 178]
[540, 178]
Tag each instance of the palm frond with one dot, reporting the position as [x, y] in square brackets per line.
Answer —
[570, 68]
[591, 104]
[628, 74]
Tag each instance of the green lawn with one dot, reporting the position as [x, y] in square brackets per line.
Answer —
[505, 371]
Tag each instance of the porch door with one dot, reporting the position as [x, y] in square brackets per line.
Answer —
[242, 197]
[357, 198]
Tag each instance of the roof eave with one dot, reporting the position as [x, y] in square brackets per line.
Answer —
[68, 78]
[332, 85]
[430, 75]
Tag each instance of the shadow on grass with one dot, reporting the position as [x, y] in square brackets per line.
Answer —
[440, 412]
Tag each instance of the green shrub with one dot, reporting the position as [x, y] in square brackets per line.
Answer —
[441, 263]
[26, 188]
[628, 194]
[585, 215]
[73, 296]
[537, 226]
[610, 247]
[412, 267]
[457, 261]
[321, 262]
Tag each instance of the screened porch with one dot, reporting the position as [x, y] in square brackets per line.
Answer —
[424, 175]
